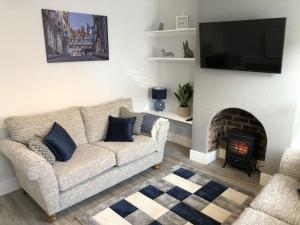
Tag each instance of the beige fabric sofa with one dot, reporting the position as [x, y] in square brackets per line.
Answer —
[279, 202]
[95, 165]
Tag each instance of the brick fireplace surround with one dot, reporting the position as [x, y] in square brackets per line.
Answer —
[232, 118]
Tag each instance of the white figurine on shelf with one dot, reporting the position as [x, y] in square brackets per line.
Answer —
[167, 54]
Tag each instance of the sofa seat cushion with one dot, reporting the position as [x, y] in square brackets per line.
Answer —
[254, 217]
[130, 151]
[280, 199]
[86, 162]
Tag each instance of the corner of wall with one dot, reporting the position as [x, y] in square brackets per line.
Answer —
[203, 158]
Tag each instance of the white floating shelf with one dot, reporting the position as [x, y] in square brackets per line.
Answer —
[171, 59]
[171, 32]
[171, 116]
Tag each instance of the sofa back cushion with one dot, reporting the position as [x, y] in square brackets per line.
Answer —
[23, 128]
[96, 118]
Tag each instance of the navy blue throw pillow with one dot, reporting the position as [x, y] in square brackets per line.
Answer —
[299, 191]
[60, 143]
[120, 129]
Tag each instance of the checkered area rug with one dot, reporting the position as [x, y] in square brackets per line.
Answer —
[185, 196]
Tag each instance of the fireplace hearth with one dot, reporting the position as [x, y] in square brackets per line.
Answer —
[242, 149]
[222, 127]
[240, 139]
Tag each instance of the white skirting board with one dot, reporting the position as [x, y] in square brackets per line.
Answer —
[203, 158]
[8, 185]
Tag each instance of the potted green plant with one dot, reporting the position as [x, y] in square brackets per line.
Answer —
[184, 94]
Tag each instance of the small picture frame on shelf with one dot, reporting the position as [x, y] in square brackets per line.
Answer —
[182, 22]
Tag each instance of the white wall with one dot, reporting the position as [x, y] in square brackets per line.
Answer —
[271, 98]
[28, 84]
[173, 73]
[296, 132]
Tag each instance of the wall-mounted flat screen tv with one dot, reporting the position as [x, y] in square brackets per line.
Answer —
[248, 45]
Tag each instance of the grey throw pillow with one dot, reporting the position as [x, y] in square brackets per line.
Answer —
[36, 145]
[125, 113]
[148, 123]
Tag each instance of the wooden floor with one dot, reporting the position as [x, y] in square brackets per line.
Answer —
[18, 208]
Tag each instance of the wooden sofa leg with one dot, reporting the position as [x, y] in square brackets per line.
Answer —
[156, 166]
[51, 218]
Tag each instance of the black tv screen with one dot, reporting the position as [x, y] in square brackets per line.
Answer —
[248, 45]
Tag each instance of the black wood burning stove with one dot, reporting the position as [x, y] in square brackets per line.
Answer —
[241, 150]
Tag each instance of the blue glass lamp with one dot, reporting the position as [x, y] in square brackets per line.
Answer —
[159, 94]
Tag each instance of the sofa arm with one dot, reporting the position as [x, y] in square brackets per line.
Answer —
[160, 132]
[290, 163]
[34, 174]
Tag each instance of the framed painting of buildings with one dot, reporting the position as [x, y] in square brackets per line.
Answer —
[71, 37]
